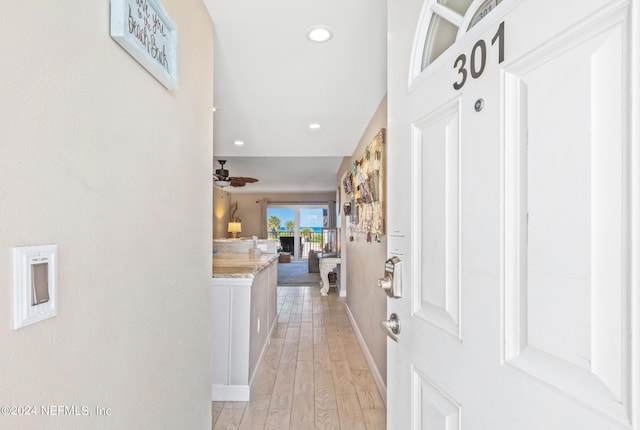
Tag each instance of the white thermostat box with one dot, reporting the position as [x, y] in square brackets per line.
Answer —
[35, 284]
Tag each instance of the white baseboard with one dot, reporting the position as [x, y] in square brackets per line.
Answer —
[230, 393]
[382, 388]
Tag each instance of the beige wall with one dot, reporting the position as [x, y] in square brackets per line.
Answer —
[98, 157]
[249, 207]
[221, 203]
[365, 264]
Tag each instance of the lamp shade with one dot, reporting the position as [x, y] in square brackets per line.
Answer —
[234, 227]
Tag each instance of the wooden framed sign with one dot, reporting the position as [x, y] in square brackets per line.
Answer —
[146, 31]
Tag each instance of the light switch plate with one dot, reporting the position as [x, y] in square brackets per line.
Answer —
[35, 284]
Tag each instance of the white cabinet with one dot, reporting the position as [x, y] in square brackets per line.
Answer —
[244, 315]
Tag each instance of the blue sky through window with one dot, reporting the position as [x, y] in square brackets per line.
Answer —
[312, 217]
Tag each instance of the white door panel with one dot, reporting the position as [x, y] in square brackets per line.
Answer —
[513, 222]
[434, 410]
[436, 195]
[569, 274]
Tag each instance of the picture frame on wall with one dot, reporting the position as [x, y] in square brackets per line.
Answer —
[145, 30]
[347, 183]
[354, 212]
[368, 183]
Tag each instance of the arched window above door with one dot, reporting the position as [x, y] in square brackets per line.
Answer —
[442, 22]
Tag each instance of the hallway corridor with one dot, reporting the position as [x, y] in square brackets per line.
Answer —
[313, 375]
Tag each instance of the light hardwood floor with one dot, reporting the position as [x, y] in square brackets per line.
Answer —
[313, 375]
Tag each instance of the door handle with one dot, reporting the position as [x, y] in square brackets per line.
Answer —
[391, 327]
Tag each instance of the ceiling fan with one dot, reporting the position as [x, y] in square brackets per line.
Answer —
[222, 179]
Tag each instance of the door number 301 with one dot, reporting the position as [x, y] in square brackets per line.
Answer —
[478, 55]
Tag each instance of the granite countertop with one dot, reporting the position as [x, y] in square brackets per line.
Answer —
[243, 239]
[239, 265]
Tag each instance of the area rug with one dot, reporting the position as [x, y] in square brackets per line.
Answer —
[296, 273]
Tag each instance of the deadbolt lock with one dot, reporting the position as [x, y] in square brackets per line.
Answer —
[391, 282]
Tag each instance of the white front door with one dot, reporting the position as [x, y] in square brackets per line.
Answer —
[511, 205]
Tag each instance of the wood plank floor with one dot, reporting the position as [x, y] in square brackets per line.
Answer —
[313, 375]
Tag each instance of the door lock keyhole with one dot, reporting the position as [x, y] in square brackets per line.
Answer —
[479, 105]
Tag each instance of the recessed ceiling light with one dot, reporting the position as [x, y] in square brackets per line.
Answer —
[314, 126]
[319, 33]
[214, 108]
[238, 142]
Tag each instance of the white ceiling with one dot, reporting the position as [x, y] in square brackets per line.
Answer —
[271, 82]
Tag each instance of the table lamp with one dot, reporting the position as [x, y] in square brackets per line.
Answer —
[235, 228]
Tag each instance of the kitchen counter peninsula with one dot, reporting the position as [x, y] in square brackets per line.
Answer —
[239, 265]
[244, 316]
[242, 245]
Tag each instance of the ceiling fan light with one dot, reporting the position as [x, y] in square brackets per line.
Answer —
[221, 183]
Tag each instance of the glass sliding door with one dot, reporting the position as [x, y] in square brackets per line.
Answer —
[303, 223]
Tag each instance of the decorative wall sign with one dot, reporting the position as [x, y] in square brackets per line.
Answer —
[144, 29]
[364, 187]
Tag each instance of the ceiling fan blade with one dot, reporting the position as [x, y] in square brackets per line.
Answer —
[241, 181]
